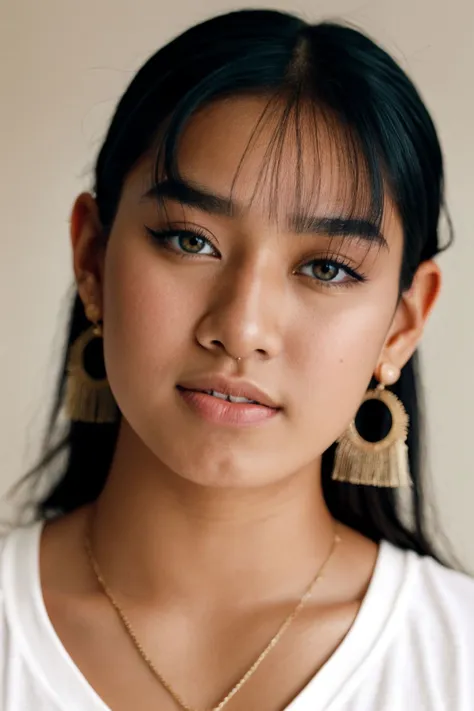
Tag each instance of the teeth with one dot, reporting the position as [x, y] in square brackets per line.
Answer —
[219, 395]
[230, 398]
[239, 399]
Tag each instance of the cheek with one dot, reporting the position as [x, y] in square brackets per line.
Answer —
[335, 353]
[148, 317]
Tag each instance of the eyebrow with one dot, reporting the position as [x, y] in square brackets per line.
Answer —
[197, 196]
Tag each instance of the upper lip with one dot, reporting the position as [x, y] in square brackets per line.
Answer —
[227, 386]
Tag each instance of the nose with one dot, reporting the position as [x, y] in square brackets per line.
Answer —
[245, 315]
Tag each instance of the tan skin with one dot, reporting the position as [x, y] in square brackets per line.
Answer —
[209, 535]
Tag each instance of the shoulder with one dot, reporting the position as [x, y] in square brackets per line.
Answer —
[18, 557]
[444, 590]
[439, 609]
[430, 584]
[6, 539]
[19, 569]
[425, 652]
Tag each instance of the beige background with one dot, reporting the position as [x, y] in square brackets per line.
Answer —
[63, 65]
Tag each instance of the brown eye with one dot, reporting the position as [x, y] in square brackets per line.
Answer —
[325, 270]
[183, 242]
[191, 243]
[331, 272]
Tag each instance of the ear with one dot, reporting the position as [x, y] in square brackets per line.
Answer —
[412, 314]
[88, 248]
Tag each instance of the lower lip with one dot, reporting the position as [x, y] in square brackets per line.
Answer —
[218, 411]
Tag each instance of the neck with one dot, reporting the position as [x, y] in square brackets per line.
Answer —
[159, 536]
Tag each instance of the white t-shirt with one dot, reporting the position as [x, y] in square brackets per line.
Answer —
[411, 647]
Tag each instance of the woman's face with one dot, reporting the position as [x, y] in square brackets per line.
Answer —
[245, 283]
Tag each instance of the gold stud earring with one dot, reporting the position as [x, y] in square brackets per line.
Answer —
[88, 399]
[383, 463]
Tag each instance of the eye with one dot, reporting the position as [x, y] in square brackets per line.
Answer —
[184, 242]
[331, 271]
[191, 243]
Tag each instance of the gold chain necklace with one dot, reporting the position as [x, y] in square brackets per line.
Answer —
[275, 639]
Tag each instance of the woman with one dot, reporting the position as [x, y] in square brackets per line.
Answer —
[257, 261]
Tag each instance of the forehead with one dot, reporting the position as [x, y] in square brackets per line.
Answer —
[275, 161]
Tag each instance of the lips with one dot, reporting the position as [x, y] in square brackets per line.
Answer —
[226, 389]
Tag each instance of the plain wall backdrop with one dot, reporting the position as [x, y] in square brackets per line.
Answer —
[63, 66]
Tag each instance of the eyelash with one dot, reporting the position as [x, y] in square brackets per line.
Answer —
[163, 238]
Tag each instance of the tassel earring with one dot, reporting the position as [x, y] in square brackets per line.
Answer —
[383, 463]
[88, 399]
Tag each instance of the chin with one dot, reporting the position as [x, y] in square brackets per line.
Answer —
[228, 469]
[215, 474]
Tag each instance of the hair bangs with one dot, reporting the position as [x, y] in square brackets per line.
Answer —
[316, 162]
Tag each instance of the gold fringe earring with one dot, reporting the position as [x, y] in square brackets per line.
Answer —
[383, 463]
[88, 399]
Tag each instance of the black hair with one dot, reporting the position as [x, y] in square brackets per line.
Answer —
[386, 135]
